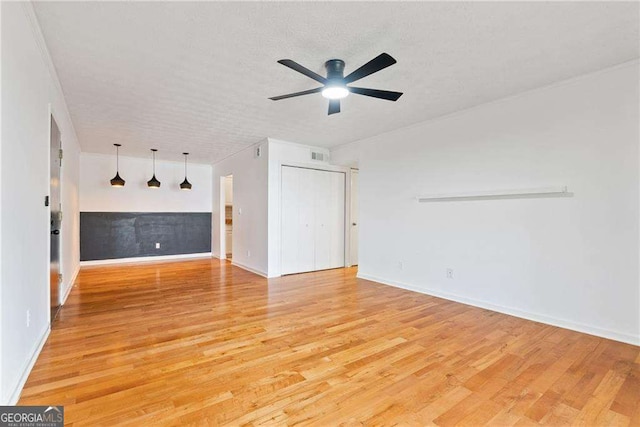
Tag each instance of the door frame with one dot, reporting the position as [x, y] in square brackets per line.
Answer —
[222, 212]
[223, 229]
[353, 170]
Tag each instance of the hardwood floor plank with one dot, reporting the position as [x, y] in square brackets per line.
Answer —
[204, 343]
[627, 400]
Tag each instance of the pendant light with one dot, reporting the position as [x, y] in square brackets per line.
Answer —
[185, 185]
[117, 181]
[153, 182]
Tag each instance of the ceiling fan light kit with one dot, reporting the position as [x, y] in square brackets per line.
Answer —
[335, 84]
[335, 92]
[335, 88]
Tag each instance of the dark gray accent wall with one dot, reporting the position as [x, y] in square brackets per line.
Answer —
[109, 235]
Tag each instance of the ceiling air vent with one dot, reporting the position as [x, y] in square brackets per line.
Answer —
[321, 157]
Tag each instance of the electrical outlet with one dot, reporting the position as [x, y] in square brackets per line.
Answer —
[28, 318]
[449, 273]
[248, 254]
[400, 265]
[158, 245]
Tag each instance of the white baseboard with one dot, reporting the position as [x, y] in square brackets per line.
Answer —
[245, 267]
[249, 269]
[561, 323]
[70, 286]
[145, 259]
[14, 397]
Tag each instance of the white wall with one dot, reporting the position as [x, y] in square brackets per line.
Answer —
[97, 194]
[30, 93]
[70, 199]
[250, 175]
[573, 262]
[2, 399]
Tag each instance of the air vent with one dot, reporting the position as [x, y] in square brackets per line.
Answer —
[321, 157]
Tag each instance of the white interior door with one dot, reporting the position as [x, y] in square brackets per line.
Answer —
[290, 220]
[312, 220]
[335, 209]
[329, 219]
[307, 219]
[354, 217]
[56, 219]
[323, 237]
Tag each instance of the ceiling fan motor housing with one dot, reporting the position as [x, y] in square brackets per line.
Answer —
[335, 70]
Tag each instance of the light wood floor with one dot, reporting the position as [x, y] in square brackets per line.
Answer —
[203, 342]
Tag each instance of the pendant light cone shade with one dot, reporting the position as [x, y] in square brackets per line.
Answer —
[153, 182]
[185, 185]
[117, 181]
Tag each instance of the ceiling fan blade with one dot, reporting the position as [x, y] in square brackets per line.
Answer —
[376, 93]
[291, 95]
[334, 106]
[378, 63]
[303, 70]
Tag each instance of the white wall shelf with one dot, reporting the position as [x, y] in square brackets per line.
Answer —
[496, 194]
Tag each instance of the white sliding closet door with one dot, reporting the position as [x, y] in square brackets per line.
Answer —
[298, 220]
[336, 214]
[323, 220]
[312, 219]
[307, 219]
[290, 219]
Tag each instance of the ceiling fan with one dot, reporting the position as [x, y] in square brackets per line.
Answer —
[335, 84]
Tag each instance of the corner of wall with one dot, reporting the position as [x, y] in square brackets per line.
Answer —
[70, 284]
[250, 188]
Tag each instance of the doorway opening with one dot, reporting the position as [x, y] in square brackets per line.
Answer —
[226, 213]
[55, 161]
[353, 210]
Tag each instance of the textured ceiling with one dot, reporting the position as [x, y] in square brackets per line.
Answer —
[195, 77]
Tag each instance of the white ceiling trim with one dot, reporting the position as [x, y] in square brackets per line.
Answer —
[48, 62]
